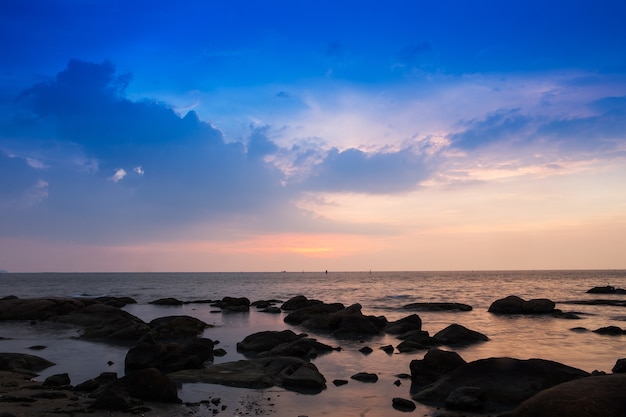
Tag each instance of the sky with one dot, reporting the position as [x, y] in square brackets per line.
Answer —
[308, 136]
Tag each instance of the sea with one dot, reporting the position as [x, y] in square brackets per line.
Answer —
[379, 294]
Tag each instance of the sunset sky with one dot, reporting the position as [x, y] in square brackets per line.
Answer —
[292, 135]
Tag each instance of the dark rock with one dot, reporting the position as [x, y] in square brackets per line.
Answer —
[57, 380]
[397, 382]
[233, 304]
[610, 331]
[272, 310]
[298, 302]
[170, 357]
[339, 382]
[441, 306]
[505, 381]
[283, 343]
[402, 404]
[388, 349]
[23, 363]
[594, 396]
[176, 327]
[37, 347]
[365, 377]
[466, 398]
[455, 334]
[50, 395]
[404, 325]
[351, 323]
[435, 364]
[315, 316]
[118, 302]
[619, 367]
[219, 352]
[101, 321]
[93, 384]
[259, 373]
[167, 302]
[415, 340]
[150, 385]
[516, 305]
[600, 302]
[366, 350]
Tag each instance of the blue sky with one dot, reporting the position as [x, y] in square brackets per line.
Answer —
[208, 136]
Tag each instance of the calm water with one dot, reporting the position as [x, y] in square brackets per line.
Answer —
[380, 293]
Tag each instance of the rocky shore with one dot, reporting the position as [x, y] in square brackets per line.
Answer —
[170, 350]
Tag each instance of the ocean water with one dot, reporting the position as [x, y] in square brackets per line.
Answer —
[380, 293]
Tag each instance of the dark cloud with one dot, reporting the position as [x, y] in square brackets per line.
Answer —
[190, 173]
[353, 170]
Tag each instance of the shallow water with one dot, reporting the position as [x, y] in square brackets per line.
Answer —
[380, 293]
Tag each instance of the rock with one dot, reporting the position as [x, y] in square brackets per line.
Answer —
[93, 384]
[57, 380]
[441, 306]
[366, 350]
[404, 325]
[167, 302]
[339, 382]
[455, 334]
[365, 377]
[298, 302]
[594, 396]
[415, 340]
[281, 343]
[610, 330]
[150, 385]
[272, 310]
[619, 367]
[388, 349]
[402, 404]
[233, 304]
[516, 305]
[118, 302]
[315, 316]
[259, 373]
[505, 381]
[351, 323]
[176, 327]
[170, 357]
[23, 363]
[466, 399]
[435, 364]
[101, 321]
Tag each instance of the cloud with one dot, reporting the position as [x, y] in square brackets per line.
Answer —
[119, 175]
[353, 170]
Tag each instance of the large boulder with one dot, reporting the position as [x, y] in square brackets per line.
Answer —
[233, 304]
[404, 325]
[176, 327]
[433, 366]
[293, 374]
[23, 363]
[297, 302]
[351, 323]
[517, 305]
[455, 335]
[126, 393]
[315, 316]
[503, 382]
[281, 343]
[594, 396]
[170, 357]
